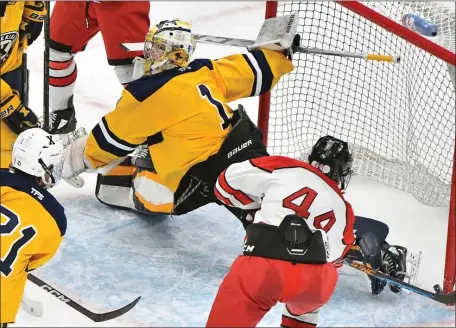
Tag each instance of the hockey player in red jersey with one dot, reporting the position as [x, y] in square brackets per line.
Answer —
[301, 230]
[73, 24]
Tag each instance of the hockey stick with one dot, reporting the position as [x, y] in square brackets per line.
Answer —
[447, 299]
[97, 317]
[201, 38]
[25, 79]
[47, 22]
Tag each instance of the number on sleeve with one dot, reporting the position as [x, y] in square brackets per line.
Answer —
[303, 208]
[13, 222]
[205, 93]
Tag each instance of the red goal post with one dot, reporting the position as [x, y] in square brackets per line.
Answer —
[399, 118]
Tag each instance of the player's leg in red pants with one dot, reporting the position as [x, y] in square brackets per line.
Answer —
[254, 285]
[72, 25]
[120, 22]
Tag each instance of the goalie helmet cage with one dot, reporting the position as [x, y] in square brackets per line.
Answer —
[398, 118]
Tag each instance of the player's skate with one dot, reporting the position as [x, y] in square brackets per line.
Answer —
[400, 264]
[63, 120]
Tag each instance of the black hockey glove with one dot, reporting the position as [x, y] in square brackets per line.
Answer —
[32, 20]
[245, 216]
[18, 117]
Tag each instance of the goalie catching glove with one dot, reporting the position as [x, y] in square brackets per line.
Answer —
[74, 160]
[279, 34]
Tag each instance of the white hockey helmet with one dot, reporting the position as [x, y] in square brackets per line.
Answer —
[168, 44]
[39, 154]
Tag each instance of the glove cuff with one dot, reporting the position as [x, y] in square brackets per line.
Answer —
[34, 11]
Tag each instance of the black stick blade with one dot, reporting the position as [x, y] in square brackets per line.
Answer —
[97, 317]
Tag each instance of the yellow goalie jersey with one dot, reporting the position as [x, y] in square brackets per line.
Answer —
[182, 113]
[33, 224]
[10, 58]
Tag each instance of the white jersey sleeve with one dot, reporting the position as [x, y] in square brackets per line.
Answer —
[278, 186]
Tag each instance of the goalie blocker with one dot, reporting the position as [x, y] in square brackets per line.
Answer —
[135, 185]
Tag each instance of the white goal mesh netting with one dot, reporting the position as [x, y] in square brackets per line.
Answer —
[398, 118]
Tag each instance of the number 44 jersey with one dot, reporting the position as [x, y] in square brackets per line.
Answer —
[33, 224]
[277, 186]
[182, 113]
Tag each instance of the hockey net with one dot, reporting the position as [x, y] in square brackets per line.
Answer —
[398, 118]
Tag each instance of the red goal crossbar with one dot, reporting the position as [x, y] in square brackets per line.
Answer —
[426, 45]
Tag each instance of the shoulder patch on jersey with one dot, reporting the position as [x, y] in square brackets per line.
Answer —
[7, 41]
[145, 87]
[47, 200]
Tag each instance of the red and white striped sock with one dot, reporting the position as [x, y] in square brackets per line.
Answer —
[62, 78]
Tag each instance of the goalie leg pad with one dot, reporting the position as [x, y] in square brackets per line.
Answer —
[150, 194]
[129, 187]
[114, 187]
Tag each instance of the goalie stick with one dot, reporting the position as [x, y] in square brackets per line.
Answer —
[201, 38]
[97, 317]
[447, 299]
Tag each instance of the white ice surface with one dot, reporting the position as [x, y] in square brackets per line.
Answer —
[109, 257]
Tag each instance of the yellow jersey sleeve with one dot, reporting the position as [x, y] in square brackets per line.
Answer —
[117, 135]
[11, 48]
[250, 74]
[147, 107]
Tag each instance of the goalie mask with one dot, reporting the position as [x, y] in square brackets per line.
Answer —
[333, 157]
[168, 44]
[39, 154]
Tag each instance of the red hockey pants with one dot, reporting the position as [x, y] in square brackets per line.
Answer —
[254, 285]
[118, 22]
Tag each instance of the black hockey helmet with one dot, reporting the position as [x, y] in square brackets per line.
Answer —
[333, 157]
